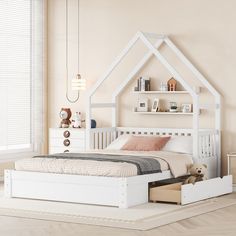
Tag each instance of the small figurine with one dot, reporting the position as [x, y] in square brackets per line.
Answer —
[77, 120]
[172, 83]
[65, 115]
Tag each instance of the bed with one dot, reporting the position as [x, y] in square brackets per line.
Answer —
[123, 189]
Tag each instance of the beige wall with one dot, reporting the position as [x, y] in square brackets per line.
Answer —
[203, 29]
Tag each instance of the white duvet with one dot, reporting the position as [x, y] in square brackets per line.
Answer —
[175, 162]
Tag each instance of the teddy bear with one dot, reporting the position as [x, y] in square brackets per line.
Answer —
[198, 172]
[65, 115]
[77, 120]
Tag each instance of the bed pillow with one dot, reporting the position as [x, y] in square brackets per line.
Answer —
[145, 143]
[181, 144]
[118, 143]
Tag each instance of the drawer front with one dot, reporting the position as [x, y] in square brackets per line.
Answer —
[53, 150]
[206, 189]
[67, 133]
[67, 142]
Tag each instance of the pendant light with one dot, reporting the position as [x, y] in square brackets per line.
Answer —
[77, 83]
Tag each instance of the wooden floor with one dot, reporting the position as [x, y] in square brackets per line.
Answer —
[221, 222]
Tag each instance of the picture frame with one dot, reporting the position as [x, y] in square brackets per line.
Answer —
[142, 105]
[155, 105]
[186, 107]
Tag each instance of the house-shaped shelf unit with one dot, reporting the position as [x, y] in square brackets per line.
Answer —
[153, 50]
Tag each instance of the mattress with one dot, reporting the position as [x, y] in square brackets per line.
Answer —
[175, 162]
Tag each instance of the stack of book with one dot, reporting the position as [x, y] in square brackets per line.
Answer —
[143, 84]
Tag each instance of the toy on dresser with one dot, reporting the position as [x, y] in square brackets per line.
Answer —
[198, 172]
[65, 115]
[77, 120]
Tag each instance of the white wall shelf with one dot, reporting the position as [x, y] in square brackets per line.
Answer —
[162, 113]
[161, 92]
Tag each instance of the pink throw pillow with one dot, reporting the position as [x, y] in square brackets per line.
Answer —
[145, 143]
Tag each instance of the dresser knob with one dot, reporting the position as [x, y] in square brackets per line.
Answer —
[66, 150]
[66, 142]
[66, 134]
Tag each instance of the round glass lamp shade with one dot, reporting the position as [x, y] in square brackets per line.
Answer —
[78, 83]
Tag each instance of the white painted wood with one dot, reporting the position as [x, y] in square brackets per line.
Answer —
[161, 92]
[206, 189]
[163, 113]
[111, 191]
[206, 149]
[195, 126]
[153, 50]
[53, 150]
[123, 192]
[115, 63]
[102, 105]
[74, 133]
[169, 67]
[7, 183]
[57, 138]
[192, 68]
[136, 69]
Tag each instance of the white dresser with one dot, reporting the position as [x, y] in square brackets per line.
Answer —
[66, 140]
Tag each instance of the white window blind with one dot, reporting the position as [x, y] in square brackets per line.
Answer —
[21, 74]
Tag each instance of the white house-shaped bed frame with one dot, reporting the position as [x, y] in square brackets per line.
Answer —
[153, 51]
[129, 191]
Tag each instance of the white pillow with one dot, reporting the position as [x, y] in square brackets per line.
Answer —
[118, 143]
[182, 144]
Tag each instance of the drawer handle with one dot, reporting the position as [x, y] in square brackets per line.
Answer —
[66, 142]
[66, 134]
[66, 150]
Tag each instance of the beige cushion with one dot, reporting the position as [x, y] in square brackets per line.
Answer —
[145, 143]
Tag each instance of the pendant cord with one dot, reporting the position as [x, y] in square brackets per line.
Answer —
[67, 69]
[78, 38]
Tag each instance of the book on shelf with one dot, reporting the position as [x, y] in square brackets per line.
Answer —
[143, 84]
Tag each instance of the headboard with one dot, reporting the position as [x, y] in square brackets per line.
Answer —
[102, 137]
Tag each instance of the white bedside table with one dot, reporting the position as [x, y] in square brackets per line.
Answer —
[66, 140]
[232, 167]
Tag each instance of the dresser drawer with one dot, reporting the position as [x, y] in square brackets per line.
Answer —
[67, 133]
[67, 142]
[53, 150]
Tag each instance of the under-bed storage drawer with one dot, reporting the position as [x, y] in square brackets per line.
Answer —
[189, 193]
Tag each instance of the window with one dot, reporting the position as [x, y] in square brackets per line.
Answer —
[21, 74]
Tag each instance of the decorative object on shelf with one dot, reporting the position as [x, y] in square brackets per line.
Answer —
[163, 87]
[172, 83]
[65, 115]
[155, 105]
[77, 83]
[173, 107]
[77, 120]
[93, 124]
[143, 84]
[142, 105]
[186, 107]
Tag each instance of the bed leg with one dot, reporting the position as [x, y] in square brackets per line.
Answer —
[7, 184]
[132, 194]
